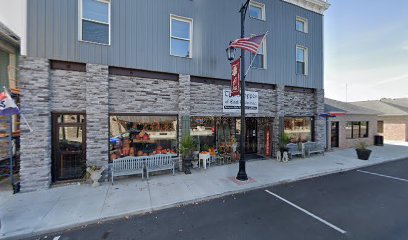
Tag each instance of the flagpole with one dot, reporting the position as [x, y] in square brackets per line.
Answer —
[253, 59]
[21, 114]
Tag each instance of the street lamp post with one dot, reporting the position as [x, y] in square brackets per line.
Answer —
[242, 176]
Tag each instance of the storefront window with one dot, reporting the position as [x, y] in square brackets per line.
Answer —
[203, 132]
[299, 129]
[134, 135]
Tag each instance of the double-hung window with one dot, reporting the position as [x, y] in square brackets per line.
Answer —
[301, 60]
[95, 21]
[257, 10]
[301, 25]
[181, 34]
[260, 58]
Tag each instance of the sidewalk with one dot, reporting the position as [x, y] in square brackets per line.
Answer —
[58, 208]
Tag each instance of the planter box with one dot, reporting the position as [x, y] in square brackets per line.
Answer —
[363, 154]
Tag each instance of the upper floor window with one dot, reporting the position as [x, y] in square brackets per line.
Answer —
[95, 21]
[301, 25]
[257, 10]
[181, 36]
[260, 58]
[301, 60]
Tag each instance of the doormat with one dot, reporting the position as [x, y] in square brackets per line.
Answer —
[240, 183]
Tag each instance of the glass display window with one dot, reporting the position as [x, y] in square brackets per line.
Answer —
[136, 135]
[203, 132]
[299, 129]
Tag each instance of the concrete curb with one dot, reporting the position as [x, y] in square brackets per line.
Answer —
[188, 202]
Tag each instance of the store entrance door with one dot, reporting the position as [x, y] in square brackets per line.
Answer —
[68, 147]
[334, 134]
[251, 136]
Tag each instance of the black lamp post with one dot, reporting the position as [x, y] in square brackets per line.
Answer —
[242, 176]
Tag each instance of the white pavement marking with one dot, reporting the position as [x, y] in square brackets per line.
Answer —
[308, 213]
[56, 238]
[382, 175]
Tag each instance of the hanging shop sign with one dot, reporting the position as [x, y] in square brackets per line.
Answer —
[232, 104]
[235, 78]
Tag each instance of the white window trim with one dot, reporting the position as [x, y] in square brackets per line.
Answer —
[81, 19]
[306, 59]
[305, 23]
[265, 58]
[189, 21]
[261, 6]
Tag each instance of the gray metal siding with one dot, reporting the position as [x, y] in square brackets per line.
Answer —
[140, 37]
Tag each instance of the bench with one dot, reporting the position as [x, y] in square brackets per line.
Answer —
[293, 150]
[128, 166]
[313, 147]
[160, 162]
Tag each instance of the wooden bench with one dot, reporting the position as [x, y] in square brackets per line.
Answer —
[160, 162]
[293, 150]
[128, 166]
[313, 147]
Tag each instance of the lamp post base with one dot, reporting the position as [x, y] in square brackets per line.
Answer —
[242, 176]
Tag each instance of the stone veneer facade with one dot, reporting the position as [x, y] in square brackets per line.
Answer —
[98, 94]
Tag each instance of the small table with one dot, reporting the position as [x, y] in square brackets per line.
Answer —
[204, 158]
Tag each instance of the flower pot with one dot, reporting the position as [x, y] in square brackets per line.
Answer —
[95, 175]
[363, 154]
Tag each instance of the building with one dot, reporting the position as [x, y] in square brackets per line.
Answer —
[121, 70]
[392, 117]
[349, 125]
[9, 54]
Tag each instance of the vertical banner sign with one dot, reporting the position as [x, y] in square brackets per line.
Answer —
[236, 78]
[267, 142]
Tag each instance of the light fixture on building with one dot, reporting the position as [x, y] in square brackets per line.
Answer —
[230, 53]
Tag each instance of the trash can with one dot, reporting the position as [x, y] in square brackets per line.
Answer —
[378, 140]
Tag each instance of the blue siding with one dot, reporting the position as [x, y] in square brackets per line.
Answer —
[140, 37]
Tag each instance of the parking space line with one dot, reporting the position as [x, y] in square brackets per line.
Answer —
[382, 175]
[308, 213]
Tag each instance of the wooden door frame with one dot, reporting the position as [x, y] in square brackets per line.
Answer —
[54, 137]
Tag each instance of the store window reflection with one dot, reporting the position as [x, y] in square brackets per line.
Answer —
[299, 129]
[203, 132]
[134, 135]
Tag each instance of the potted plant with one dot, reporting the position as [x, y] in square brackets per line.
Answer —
[95, 173]
[362, 152]
[186, 149]
[283, 141]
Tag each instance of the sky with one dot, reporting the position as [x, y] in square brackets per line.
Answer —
[366, 47]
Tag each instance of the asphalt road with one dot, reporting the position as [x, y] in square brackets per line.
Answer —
[370, 203]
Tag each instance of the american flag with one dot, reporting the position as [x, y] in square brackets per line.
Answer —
[251, 44]
[7, 105]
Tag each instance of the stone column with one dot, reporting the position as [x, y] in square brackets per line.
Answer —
[280, 112]
[320, 123]
[97, 114]
[184, 107]
[35, 158]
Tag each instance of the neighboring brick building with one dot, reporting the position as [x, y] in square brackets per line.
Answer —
[392, 117]
[90, 82]
[349, 124]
